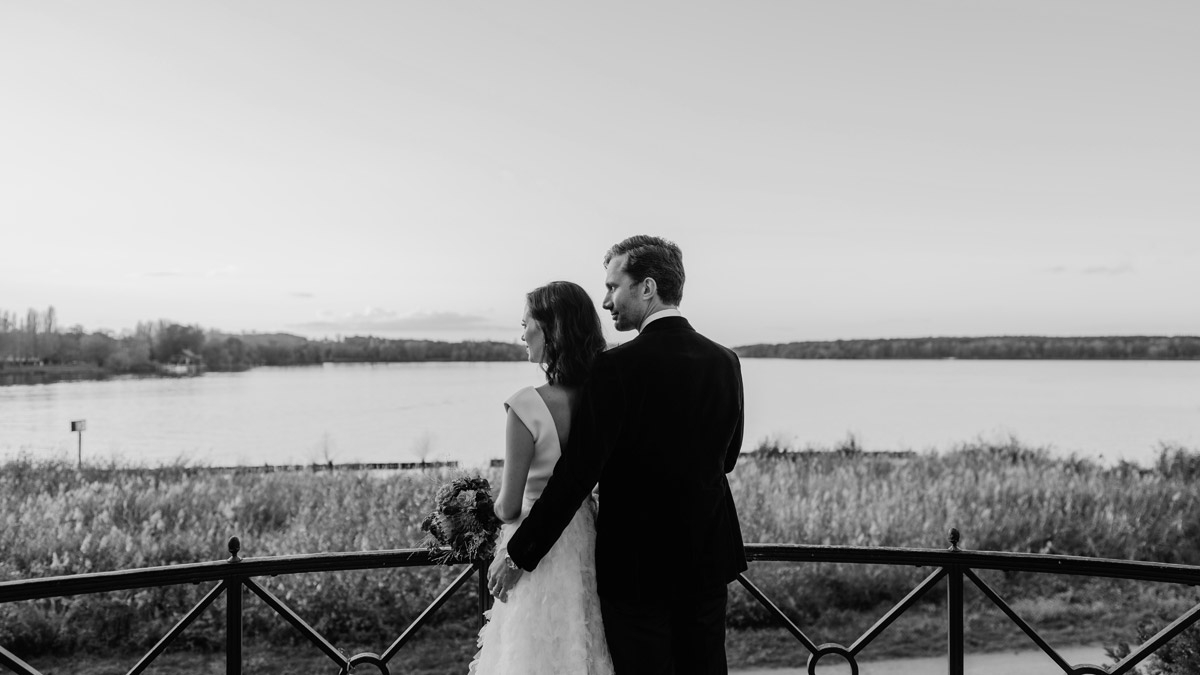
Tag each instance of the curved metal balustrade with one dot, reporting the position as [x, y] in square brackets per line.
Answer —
[235, 574]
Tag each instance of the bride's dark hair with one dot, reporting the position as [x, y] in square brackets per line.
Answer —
[572, 329]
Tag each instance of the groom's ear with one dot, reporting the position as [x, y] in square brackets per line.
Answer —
[649, 288]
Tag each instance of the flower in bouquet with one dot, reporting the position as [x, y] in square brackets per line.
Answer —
[463, 525]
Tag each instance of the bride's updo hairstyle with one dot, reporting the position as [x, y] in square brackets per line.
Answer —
[572, 329]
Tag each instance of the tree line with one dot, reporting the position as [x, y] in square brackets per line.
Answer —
[1003, 347]
[230, 352]
[35, 339]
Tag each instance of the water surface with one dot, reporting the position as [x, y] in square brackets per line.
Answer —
[403, 412]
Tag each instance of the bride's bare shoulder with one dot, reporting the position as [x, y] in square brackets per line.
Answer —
[555, 394]
[560, 400]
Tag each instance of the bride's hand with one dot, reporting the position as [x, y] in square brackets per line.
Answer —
[503, 575]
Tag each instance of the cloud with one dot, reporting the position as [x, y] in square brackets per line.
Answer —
[1109, 270]
[1094, 270]
[302, 294]
[376, 320]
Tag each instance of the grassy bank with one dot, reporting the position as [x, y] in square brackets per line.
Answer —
[55, 520]
[50, 373]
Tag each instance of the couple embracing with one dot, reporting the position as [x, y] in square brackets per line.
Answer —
[649, 429]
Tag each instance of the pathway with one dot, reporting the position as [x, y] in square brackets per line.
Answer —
[999, 663]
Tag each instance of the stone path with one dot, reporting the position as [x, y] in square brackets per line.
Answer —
[999, 663]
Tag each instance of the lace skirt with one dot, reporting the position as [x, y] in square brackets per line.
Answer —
[551, 622]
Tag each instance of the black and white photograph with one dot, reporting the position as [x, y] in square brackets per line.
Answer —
[523, 338]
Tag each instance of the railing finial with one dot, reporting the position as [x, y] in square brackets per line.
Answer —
[954, 538]
[235, 545]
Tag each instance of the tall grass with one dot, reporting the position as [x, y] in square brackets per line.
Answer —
[56, 520]
[1004, 497]
[1000, 497]
[59, 521]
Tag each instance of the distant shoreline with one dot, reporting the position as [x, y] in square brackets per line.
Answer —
[51, 373]
[1016, 348]
[173, 350]
[1020, 347]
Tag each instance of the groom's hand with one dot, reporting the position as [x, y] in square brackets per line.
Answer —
[503, 575]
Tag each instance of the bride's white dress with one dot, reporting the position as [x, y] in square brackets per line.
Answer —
[551, 621]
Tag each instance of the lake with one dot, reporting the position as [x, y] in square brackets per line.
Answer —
[1107, 410]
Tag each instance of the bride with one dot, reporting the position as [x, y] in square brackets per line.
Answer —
[550, 623]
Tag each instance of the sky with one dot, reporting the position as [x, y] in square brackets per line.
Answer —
[831, 170]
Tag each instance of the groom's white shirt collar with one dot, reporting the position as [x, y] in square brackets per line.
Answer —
[670, 311]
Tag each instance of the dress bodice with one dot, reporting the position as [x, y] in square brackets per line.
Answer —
[531, 408]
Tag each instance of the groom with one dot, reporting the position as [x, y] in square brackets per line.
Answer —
[658, 426]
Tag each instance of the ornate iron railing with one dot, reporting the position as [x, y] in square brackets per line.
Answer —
[234, 575]
[954, 565]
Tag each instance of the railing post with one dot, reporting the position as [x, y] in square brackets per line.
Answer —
[954, 610]
[233, 614]
[485, 595]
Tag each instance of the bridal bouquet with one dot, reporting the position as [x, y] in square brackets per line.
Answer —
[462, 526]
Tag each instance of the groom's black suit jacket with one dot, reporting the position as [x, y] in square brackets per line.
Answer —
[658, 426]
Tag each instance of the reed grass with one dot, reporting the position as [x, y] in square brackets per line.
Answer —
[57, 520]
[1001, 497]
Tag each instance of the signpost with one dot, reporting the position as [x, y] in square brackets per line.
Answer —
[79, 426]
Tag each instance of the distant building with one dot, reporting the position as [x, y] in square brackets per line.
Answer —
[187, 363]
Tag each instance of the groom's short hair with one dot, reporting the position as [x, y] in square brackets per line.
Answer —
[648, 257]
